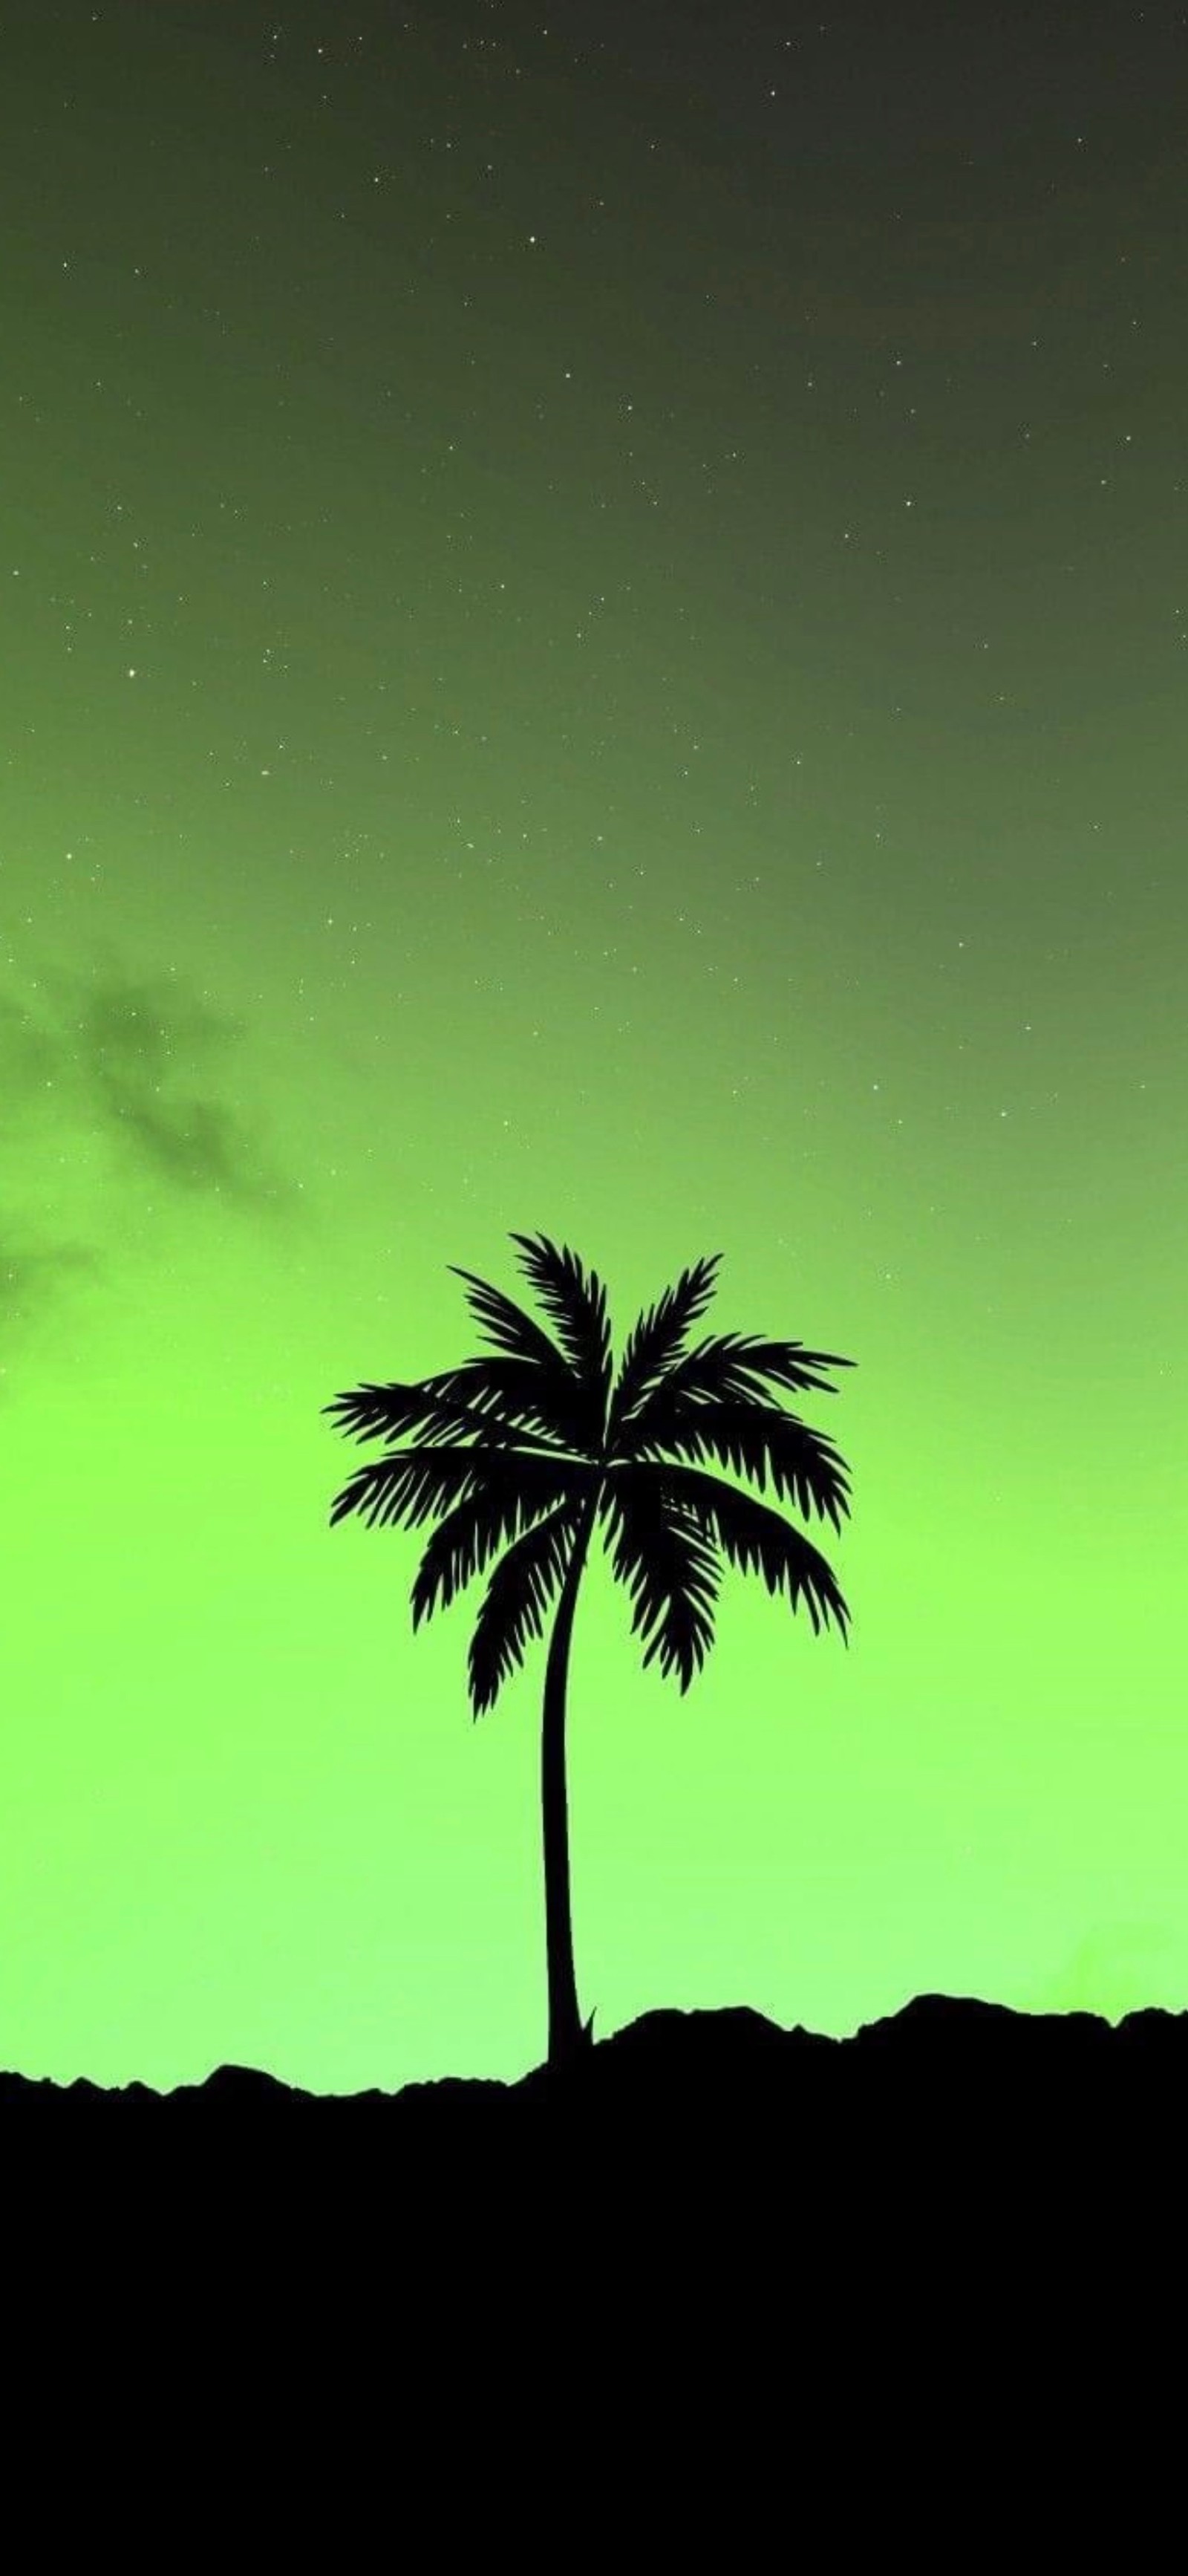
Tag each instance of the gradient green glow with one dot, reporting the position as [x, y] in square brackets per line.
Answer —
[598, 645]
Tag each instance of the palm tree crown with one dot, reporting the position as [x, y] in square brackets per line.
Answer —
[519, 1453]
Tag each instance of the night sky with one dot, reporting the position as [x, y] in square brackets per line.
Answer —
[594, 630]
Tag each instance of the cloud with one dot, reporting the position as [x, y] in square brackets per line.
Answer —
[31, 1280]
[146, 1069]
[28, 1056]
[137, 1045]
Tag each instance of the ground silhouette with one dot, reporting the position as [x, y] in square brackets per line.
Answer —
[948, 2089]
[711, 2247]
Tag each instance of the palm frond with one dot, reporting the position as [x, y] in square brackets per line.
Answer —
[755, 1439]
[786, 1364]
[750, 1534]
[369, 1411]
[515, 1602]
[404, 1485]
[738, 1364]
[577, 1306]
[520, 1338]
[504, 1323]
[659, 1551]
[508, 1495]
[511, 1391]
[493, 1397]
[657, 1338]
[508, 1450]
[410, 1485]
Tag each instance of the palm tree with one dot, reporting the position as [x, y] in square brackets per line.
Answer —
[525, 1448]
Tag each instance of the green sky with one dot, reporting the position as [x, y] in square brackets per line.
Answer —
[594, 640]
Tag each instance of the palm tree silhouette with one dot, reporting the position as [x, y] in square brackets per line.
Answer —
[528, 1446]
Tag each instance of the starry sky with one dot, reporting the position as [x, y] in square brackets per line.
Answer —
[594, 619]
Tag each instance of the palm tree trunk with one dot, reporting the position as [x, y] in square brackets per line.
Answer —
[567, 2035]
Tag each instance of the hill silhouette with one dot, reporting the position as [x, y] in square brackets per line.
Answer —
[709, 2221]
[724, 2107]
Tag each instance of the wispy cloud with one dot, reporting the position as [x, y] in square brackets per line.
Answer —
[33, 1279]
[149, 1071]
[28, 1055]
[137, 1048]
